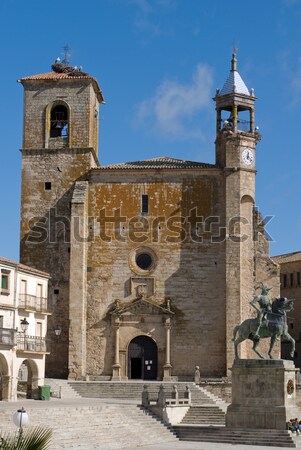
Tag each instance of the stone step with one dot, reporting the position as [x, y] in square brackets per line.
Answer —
[133, 390]
[107, 424]
[61, 389]
[209, 415]
[221, 434]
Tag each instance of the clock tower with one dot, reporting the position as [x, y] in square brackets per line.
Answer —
[236, 138]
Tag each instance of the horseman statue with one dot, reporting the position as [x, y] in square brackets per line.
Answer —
[264, 305]
[271, 322]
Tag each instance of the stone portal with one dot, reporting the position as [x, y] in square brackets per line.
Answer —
[263, 394]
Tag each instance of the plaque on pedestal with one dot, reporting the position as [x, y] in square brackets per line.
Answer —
[263, 394]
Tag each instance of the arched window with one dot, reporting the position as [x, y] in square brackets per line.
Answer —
[59, 122]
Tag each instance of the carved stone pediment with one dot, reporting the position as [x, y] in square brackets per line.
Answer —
[141, 306]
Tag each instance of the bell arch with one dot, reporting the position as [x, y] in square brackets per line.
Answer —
[57, 127]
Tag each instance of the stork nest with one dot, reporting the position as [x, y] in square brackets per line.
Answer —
[71, 71]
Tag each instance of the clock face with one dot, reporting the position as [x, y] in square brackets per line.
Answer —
[247, 156]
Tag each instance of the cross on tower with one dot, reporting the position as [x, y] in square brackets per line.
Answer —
[66, 54]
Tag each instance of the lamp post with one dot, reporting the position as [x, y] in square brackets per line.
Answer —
[20, 419]
[24, 327]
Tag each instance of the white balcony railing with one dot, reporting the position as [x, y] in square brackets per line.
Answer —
[31, 343]
[33, 303]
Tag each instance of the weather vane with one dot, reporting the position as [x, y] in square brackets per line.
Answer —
[66, 54]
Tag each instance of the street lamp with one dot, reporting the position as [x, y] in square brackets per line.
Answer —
[20, 419]
[24, 325]
[58, 330]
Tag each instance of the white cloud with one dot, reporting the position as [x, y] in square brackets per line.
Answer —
[173, 108]
[148, 16]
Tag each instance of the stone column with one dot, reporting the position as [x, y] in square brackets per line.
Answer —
[167, 366]
[252, 120]
[116, 366]
[234, 117]
[9, 392]
[78, 282]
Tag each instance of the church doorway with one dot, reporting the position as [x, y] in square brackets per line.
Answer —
[142, 358]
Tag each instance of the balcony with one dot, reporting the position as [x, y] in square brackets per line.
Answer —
[33, 303]
[31, 344]
[7, 337]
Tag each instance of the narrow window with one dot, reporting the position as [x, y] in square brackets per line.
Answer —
[284, 280]
[1, 322]
[5, 281]
[144, 204]
[39, 305]
[48, 186]
[59, 121]
[291, 279]
[23, 291]
[39, 329]
[298, 279]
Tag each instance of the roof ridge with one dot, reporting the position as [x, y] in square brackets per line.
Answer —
[161, 162]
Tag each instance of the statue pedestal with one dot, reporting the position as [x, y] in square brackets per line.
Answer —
[263, 394]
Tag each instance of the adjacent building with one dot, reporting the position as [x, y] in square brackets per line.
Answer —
[290, 276]
[152, 262]
[23, 327]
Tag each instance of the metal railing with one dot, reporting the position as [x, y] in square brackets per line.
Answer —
[33, 303]
[7, 336]
[242, 125]
[31, 343]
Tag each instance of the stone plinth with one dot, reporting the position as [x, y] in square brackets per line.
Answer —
[263, 394]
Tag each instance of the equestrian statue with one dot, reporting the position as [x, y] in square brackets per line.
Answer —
[271, 322]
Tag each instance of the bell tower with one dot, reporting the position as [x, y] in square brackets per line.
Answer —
[60, 146]
[236, 138]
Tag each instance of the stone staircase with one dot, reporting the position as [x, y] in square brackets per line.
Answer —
[94, 425]
[204, 415]
[61, 389]
[277, 438]
[133, 390]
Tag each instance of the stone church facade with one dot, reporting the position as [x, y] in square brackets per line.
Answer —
[152, 262]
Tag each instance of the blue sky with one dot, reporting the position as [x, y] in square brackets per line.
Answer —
[158, 63]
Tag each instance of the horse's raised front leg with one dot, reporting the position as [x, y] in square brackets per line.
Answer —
[289, 338]
[272, 343]
[255, 345]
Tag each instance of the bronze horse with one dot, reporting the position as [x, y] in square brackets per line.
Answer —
[274, 326]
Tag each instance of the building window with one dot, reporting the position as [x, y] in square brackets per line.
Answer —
[5, 281]
[144, 204]
[144, 261]
[298, 279]
[291, 279]
[59, 122]
[284, 280]
[47, 186]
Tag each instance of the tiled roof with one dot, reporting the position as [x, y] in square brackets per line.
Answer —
[17, 265]
[287, 257]
[162, 162]
[52, 76]
[234, 84]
